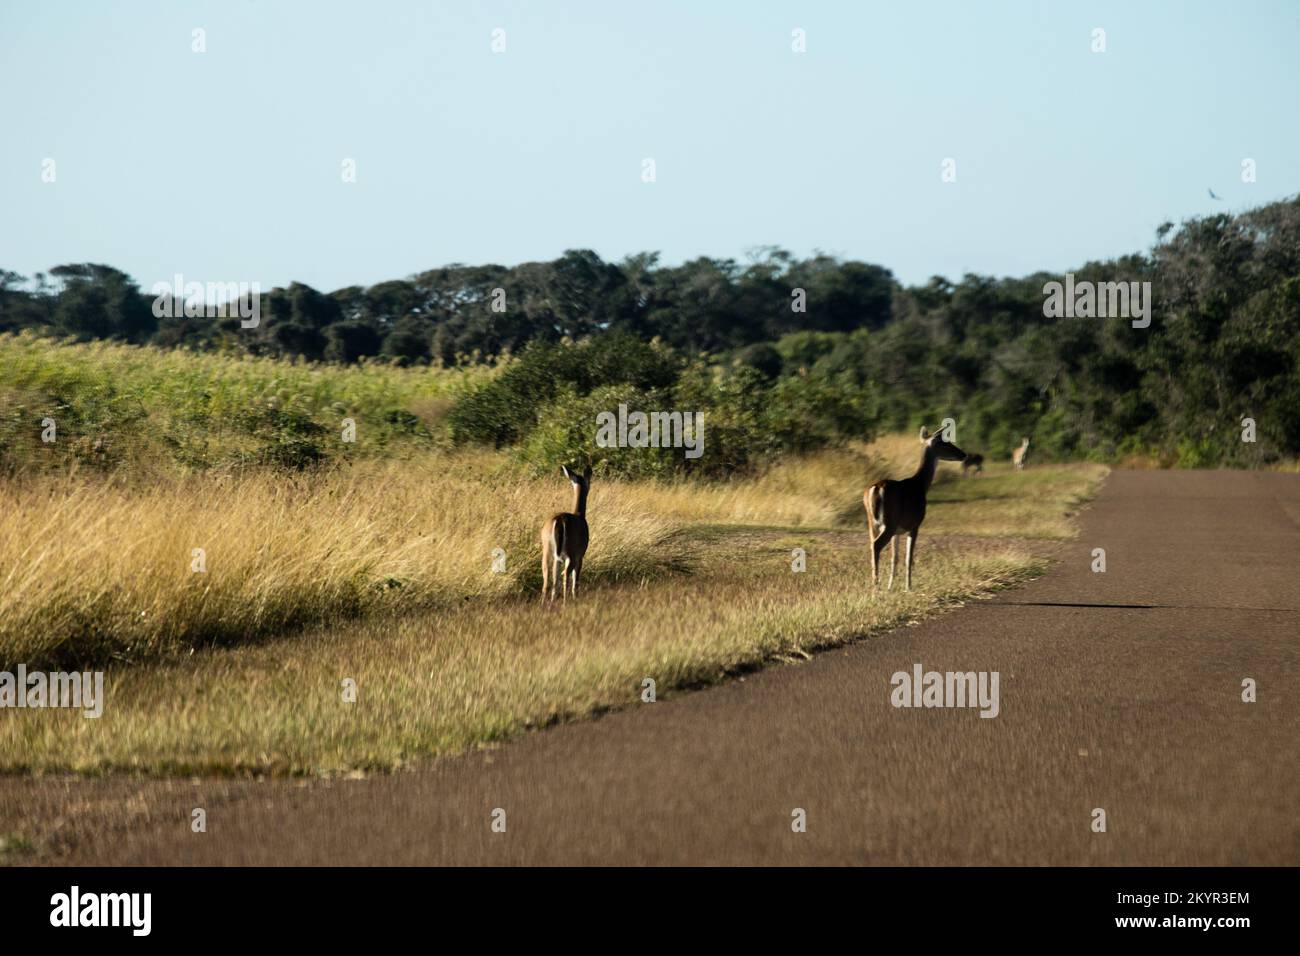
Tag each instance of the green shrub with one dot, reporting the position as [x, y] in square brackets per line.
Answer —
[286, 437]
[505, 410]
[566, 433]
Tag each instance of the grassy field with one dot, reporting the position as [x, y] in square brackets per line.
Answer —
[389, 566]
[163, 413]
[201, 533]
[91, 572]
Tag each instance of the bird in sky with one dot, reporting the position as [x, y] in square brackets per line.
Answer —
[1212, 196]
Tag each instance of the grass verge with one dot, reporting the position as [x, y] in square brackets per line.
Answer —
[458, 674]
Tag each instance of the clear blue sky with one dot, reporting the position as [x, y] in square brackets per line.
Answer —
[226, 165]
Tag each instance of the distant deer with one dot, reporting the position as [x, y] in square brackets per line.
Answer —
[1018, 456]
[564, 540]
[972, 461]
[894, 506]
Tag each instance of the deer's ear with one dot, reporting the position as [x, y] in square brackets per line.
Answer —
[567, 474]
[925, 433]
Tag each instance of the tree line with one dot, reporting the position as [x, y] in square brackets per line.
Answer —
[475, 312]
[861, 351]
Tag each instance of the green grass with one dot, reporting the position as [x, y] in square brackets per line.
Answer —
[14, 848]
[152, 410]
[1036, 504]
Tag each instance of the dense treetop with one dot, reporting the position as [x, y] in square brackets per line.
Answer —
[842, 340]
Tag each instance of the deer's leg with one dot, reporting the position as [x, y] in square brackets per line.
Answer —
[556, 579]
[874, 552]
[870, 531]
[564, 582]
[877, 545]
[577, 572]
[893, 560]
[546, 573]
[911, 547]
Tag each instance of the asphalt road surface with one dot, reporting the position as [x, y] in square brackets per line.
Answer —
[1119, 690]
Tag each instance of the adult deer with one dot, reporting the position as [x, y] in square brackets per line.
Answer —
[894, 506]
[1018, 456]
[564, 540]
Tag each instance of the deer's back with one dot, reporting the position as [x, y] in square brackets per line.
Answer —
[572, 535]
[902, 502]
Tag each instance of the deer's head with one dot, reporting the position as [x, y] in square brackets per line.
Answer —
[940, 447]
[580, 481]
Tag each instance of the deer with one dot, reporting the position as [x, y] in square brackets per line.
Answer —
[972, 461]
[895, 506]
[564, 540]
[1018, 456]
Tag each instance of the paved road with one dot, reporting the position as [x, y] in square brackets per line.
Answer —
[1119, 690]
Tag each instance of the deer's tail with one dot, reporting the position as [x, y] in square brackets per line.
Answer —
[557, 539]
[875, 507]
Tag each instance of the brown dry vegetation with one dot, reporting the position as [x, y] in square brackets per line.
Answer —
[382, 574]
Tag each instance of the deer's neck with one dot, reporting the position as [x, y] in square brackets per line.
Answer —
[580, 502]
[925, 474]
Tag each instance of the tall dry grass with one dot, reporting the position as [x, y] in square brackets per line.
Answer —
[91, 570]
[818, 490]
[94, 569]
